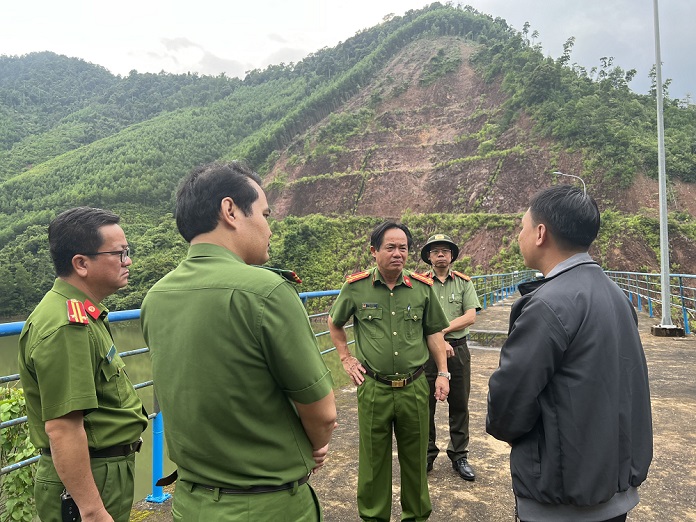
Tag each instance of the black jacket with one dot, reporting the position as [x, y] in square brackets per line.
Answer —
[571, 393]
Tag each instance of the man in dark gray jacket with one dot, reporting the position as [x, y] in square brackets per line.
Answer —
[571, 393]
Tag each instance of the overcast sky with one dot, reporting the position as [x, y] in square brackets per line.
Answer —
[213, 36]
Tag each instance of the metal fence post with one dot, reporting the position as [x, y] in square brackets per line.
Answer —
[485, 292]
[158, 495]
[685, 315]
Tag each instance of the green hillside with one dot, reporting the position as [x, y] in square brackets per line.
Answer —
[73, 134]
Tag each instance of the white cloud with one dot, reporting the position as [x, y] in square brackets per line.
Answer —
[206, 36]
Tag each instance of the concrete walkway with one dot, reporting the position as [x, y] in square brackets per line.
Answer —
[669, 494]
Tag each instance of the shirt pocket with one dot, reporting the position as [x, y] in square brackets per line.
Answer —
[113, 383]
[370, 320]
[455, 298]
[413, 318]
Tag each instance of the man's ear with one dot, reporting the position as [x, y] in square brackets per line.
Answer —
[228, 211]
[80, 264]
[542, 234]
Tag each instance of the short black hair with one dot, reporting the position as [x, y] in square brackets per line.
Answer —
[378, 232]
[76, 231]
[571, 216]
[200, 193]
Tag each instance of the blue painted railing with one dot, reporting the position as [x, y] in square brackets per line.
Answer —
[492, 288]
[646, 290]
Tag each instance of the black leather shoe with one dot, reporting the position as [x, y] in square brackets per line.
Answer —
[429, 468]
[462, 467]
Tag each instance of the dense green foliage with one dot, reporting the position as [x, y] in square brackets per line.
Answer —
[17, 497]
[54, 104]
[439, 65]
[594, 111]
[74, 134]
[142, 164]
[322, 250]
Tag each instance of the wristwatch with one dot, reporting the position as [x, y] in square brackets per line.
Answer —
[445, 374]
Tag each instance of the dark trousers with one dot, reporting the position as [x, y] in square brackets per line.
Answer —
[458, 400]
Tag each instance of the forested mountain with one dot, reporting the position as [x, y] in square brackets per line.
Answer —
[445, 118]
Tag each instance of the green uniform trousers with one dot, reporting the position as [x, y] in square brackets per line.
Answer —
[459, 367]
[196, 504]
[114, 477]
[382, 408]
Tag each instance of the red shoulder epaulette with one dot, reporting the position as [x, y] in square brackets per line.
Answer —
[357, 276]
[463, 276]
[76, 312]
[422, 278]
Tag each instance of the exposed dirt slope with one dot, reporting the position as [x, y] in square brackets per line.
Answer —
[432, 148]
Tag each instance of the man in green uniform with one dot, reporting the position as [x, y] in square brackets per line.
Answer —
[458, 298]
[246, 397]
[83, 411]
[397, 322]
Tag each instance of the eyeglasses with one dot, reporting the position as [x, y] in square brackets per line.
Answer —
[438, 251]
[125, 253]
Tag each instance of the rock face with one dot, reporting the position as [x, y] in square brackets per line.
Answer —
[435, 148]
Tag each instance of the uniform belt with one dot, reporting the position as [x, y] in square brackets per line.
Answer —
[394, 383]
[255, 489]
[457, 342]
[121, 450]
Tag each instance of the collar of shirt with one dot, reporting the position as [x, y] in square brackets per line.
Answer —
[211, 250]
[70, 292]
[377, 276]
[432, 275]
[582, 257]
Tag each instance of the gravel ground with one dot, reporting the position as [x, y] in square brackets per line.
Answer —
[669, 494]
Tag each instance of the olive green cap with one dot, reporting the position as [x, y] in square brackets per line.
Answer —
[438, 238]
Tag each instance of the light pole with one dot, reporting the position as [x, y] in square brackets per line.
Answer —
[666, 328]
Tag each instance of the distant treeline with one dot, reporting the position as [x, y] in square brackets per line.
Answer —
[322, 250]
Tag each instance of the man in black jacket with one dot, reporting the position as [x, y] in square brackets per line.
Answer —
[571, 393]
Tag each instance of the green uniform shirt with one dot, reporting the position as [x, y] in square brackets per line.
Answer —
[67, 366]
[390, 325]
[456, 295]
[231, 346]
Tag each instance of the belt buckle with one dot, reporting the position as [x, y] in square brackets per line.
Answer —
[398, 384]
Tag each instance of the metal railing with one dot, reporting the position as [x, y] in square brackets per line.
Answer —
[490, 288]
[645, 290]
[158, 494]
